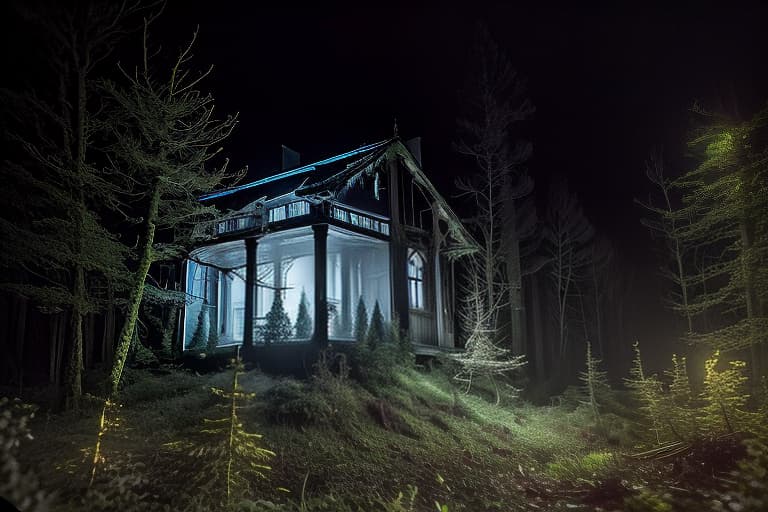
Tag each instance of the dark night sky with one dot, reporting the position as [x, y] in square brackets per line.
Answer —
[608, 84]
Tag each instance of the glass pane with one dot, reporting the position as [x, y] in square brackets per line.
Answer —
[357, 271]
[285, 288]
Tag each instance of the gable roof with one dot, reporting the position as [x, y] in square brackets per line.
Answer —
[342, 170]
[305, 174]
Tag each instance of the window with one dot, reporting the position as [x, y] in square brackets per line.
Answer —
[357, 281]
[416, 280]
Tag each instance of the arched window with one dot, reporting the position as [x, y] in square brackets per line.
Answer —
[416, 280]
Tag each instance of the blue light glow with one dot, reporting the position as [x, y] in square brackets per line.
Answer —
[293, 172]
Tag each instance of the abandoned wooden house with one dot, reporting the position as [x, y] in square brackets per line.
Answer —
[297, 257]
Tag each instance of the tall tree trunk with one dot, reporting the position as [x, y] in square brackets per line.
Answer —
[74, 380]
[514, 278]
[137, 293]
[21, 326]
[56, 348]
[750, 297]
[89, 334]
[75, 368]
[537, 328]
[108, 337]
[598, 313]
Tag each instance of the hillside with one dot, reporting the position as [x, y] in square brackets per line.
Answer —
[409, 444]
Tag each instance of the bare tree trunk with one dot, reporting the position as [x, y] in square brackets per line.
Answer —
[137, 292]
[537, 329]
[74, 380]
[21, 326]
[89, 334]
[75, 368]
[108, 338]
[57, 347]
[511, 242]
[598, 312]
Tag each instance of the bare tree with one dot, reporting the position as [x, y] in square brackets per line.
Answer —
[496, 104]
[567, 234]
[667, 223]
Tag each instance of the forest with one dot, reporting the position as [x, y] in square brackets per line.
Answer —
[548, 403]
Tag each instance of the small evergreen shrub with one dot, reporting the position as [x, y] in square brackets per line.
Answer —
[377, 362]
[277, 327]
[361, 322]
[213, 335]
[290, 402]
[200, 335]
[303, 326]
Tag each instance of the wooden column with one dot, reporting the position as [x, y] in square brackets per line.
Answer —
[321, 301]
[398, 256]
[346, 292]
[251, 246]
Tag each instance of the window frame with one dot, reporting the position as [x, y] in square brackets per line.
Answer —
[417, 283]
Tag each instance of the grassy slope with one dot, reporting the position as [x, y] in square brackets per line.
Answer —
[349, 444]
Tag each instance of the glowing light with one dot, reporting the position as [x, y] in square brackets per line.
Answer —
[293, 172]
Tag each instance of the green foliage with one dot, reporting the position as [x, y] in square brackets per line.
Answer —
[361, 322]
[748, 487]
[723, 396]
[168, 349]
[213, 334]
[647, 391]
[199, 338]
[678, 404]
[588, 466]
[303, 326]
[231, 456]
[290, 402]
[142, 356]
[377, 364]
[21, 488]
[277, 328]
[646, 501]
[724, 203]
[595, 383]
[375, 335]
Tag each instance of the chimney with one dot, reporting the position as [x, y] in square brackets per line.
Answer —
[291, 158]
[414, 146]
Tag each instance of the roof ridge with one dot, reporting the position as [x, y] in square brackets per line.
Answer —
[293, 172]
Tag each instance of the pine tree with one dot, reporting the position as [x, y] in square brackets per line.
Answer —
[361, 321]
[595, 383]
[724, 202]
[277, 328]
[376, 333]
[199, 338]
[647, 391]
[232, 455]
[57, 250]
[303, 320]
[723, 396]
[164, 137]
[213, 334]
[678, 403]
